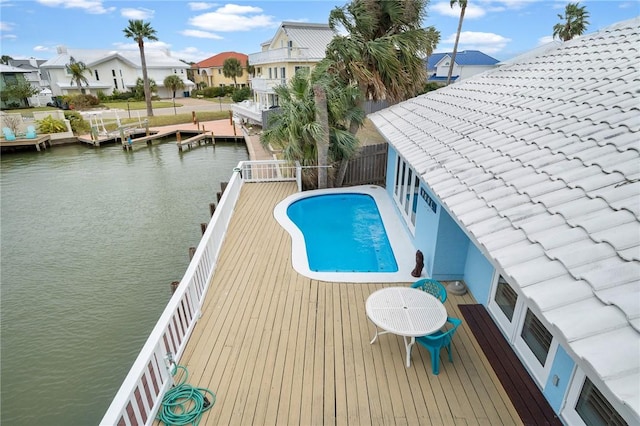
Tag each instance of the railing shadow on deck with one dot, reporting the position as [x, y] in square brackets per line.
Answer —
[140, 395]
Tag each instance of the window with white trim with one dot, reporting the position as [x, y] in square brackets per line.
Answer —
[594, 409]
[406, 192]
[587, 405]
[536, 336]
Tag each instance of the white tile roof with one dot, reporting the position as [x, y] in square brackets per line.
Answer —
[539, 160]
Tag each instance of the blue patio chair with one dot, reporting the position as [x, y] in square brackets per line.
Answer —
[8, 134]
[432, 287]
[31, 132]
[438, 340]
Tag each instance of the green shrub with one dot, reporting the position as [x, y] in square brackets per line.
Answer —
[213, 92]
[51, 125]
[82, 101]
[240, 95]
[78, 123]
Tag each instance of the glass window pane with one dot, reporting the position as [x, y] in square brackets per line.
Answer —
[536, 336]
[594, 409]
[506, 298]
[408, 196]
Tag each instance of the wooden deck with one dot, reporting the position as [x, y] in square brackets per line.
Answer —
[279, 348]
[39, 142]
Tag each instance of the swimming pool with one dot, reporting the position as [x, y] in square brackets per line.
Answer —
[347, 235]
[343, 233]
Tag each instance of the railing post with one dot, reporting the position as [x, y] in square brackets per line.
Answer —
[299, 176]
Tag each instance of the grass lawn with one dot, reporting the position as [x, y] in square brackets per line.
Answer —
[168, 120]
[133, 105]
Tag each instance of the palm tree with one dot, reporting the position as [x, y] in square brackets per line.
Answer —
[139, 30]
[299, 127]
[77, 70]
[382, 52]
[173, 83]
[232, 68]
[575, 22]
[463, 8]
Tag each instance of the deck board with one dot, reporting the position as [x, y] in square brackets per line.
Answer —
[280, 348]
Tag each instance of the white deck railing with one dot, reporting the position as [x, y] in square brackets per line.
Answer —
[140, 395]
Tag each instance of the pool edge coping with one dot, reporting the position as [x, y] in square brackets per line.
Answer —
[401, 245]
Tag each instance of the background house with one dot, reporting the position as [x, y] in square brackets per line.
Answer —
[467, 63]
[11, 74]
[295, 45]
[210, 72]
[524, 182]
[36, 77]
[115, 70]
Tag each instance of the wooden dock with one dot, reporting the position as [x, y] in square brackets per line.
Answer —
[39, 142]
[192, 141]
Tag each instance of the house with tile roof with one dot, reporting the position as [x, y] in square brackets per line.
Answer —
[115, 70]
[295, 46]
[467, 64]
[209, 71]
[524, 182]
[37, 78]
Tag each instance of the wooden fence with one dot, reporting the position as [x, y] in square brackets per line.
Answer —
[368, 167]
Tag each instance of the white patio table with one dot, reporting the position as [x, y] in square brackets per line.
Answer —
[407, 312]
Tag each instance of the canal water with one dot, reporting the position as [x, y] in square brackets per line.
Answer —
[90, 241]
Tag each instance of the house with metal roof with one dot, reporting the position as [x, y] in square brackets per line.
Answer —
[524, 182]
[295, 46]
[466, 64]
[115, 70]
[210, 72]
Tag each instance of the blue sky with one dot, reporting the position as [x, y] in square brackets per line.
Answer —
[194, 31]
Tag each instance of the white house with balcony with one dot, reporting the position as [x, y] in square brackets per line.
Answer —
[115, 70]
[296, 45]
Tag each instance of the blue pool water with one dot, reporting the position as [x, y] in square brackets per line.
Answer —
[343, 233]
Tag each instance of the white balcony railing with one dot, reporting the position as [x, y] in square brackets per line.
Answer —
[140, 395]
[260, 84]
[279, 55]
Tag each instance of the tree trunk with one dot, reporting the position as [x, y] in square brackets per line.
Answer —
[455, 45]
[353, 129]
[145, 78]
[322, 144]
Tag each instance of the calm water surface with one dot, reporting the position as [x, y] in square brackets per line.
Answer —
[90, 241]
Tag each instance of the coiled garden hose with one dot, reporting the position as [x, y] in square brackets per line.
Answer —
[184, 404]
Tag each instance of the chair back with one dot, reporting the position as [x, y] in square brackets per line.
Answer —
[441, 339]
[31, 132]
[433, 287]
[8, 134]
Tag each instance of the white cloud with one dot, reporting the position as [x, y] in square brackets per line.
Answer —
[191, 54]
[473, 11]
[488, 43]
[201, 5]
[233, 17]
[236, 9]
[93, 7]
[200, 34]
[137, 14]
[6, 26]
[8, 36]
[43, 49]
[545, 40]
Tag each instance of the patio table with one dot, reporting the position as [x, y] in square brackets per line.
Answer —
[407, 312]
